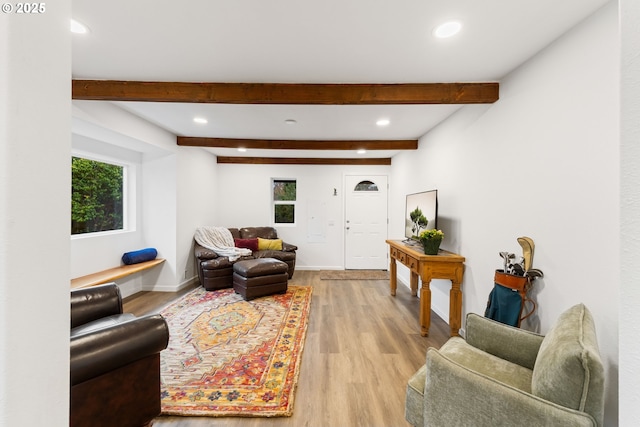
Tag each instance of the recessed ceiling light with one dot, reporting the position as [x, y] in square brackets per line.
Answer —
[78, 28]
[200, 120]
[362, 151]
[447, 29]
[383, 122]
[290, 122]
[242, 149]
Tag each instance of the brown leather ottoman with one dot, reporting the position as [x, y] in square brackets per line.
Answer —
[255, 278]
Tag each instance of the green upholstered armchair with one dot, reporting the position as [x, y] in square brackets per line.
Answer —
[505, 376]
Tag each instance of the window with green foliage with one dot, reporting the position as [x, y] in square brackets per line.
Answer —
[284, 201]
[97, 196]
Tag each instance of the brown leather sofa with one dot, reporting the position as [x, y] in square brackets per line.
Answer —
[216, 272]
[115, 361]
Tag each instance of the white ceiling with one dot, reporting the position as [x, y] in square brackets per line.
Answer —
[300, 41]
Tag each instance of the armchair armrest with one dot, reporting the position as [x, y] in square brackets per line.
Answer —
[504, 341]
[451, 392]
[288, 247]
[93, 303]
[98, 352]
[203, 253]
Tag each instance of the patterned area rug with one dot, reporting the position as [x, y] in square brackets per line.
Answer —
[227, 356]
[354, 275]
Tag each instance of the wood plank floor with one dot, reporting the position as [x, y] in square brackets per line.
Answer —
[362, 346]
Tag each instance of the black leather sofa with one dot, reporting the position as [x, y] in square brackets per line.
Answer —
[115, 360]
[216, 272]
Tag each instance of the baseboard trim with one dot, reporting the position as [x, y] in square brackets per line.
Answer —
[166, 288]
[435, 309]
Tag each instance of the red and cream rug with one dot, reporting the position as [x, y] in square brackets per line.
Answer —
[230, 357]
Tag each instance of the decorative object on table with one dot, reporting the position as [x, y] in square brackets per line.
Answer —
[431, 240]
[142, 255]
[505, 305]
[230, 357]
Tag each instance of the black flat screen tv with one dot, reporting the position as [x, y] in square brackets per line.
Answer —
[420, 206]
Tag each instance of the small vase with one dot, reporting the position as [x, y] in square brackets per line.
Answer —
[431, 246]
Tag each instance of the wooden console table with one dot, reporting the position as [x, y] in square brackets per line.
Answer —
[445, 265]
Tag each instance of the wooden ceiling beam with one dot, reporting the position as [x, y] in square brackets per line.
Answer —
[301, 161]
[287, 93]
[281, 144]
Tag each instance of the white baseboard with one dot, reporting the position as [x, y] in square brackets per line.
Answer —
[168, 288]
[435, 309]
[319, 267]
[128, 288]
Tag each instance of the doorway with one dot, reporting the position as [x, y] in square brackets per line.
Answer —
[366, 222]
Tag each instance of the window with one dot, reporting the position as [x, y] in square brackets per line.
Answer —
[284, 201]
[97, 196]
[366, 186]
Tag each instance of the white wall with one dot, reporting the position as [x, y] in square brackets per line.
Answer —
[35, 142]
[630, 214]
[172, 201]
[197, 202]
[160, 218]
[542, 162]
[95, 252]
[245, 195]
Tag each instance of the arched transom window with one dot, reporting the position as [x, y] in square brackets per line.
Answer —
[366, 186]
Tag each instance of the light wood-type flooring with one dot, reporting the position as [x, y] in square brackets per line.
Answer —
[362, 346]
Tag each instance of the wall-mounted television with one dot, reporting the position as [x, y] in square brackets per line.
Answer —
[421, 206]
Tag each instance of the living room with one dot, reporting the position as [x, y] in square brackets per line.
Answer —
[544, 161]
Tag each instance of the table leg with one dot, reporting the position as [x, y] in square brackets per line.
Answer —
[414, 284]
[393, 279]
[455, 308]
[425, 307]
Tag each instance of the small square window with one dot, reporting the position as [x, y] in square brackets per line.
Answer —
[284, 197]
[284, 214]
[284, 190]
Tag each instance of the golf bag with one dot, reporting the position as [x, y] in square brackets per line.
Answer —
[507, 299]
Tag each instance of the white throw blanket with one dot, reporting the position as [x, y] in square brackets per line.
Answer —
[220, 240]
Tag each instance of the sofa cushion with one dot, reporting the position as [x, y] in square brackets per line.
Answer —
[220, 262]
[251, 244]
[414, 401]
[259, 267]
[263, 232]
[269, 244]
[568, 370]
[281, 255]
[102, 323]
[487, 364]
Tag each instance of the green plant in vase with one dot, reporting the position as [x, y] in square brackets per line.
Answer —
[431, 240]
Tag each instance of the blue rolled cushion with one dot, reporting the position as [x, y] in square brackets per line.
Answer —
[137, 257]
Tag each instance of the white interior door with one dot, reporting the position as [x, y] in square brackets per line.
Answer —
[366, 222]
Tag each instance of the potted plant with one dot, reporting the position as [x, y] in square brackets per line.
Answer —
[431, 240]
